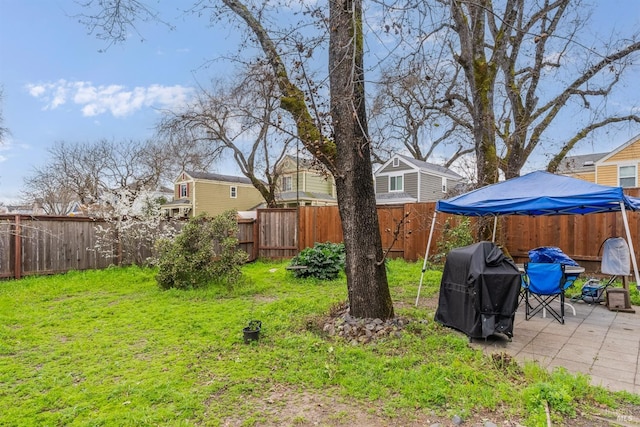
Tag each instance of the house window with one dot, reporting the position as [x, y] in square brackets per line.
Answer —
[233, 192]
[444, 184]
[396, 162]
[286, 183]
[184, 190]
[395, 183]
[627, 176]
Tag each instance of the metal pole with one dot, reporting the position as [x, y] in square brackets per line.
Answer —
[495, 226]
[426, 255]
[633, 253]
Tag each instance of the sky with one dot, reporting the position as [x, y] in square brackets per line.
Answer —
[60, 84]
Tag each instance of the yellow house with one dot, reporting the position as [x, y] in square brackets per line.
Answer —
[618, 168]
[212, 194]
[300, 182]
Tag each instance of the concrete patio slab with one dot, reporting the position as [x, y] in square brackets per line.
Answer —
[603, 344]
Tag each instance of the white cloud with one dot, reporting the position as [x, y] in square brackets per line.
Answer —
[3, 159]
[36, 90]
[117, 100]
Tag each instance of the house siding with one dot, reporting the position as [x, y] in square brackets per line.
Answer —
[288, 166]
[213, 198]
[629, 156]
[311, 179]
[410, 184]
[432, 187]
[607, 175]
[402, 166]
[607, 170]
[451, 184]
[421, 184]
[382, 184]
[586, 176]
[315, 184]
[632, 152]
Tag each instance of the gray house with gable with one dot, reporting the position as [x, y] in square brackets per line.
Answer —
[403, 179]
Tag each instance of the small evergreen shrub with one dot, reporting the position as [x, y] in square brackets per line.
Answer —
[205, 251]
[323, 261]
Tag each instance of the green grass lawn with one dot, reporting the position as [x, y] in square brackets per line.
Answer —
[109, 348]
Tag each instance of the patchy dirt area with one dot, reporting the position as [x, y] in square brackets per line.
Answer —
[288, 407]
[284, 407]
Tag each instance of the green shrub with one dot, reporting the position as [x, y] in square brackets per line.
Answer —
[324, 261]
[205, 251]
[453, 237]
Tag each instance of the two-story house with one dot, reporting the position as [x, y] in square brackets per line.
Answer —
[212, 194]
[303, 183]
[403, 179]
[617, 168]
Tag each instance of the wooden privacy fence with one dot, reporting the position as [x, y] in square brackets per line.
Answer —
[46, 245]
[579, 236]
[32, 245]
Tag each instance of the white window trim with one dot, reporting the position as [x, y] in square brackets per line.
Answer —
[233, 192]
[396, 176]
[285, 179]
[635, 175]
[186, 190]
[444, 184]
[396, 162]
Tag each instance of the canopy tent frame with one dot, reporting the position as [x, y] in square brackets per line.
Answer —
[593, 199]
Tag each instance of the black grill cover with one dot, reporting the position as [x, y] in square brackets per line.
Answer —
[479, 291]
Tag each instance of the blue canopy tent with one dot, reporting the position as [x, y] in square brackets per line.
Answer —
[539, 193]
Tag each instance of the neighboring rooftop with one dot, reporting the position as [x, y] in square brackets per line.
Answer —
[580, 163]
[431, 166]
[218, 177]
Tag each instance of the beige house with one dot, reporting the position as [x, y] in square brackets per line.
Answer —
[200, 192]
[618, 168]
[303, 183]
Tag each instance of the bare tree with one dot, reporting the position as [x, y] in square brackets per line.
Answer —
[345, 152]
[408, 114]
[242, 118]
[84, 172]
[45, 188]
[3, 130]
[514, 70]
[180, 151]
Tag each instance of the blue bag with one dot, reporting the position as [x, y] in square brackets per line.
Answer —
[550, 254]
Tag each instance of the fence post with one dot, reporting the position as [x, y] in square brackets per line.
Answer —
[254, 247]
[17, 259]
[256, 236]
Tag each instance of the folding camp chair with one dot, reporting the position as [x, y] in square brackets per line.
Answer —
[544, 283]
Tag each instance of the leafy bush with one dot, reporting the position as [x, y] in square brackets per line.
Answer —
[453, 237]
[324, 261]
[205, 250]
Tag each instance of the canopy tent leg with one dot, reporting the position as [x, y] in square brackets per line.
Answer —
[495, 227]
[426, 254]
[633, 253]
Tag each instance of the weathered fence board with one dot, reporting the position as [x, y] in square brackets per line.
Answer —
[246, 237]
[277, 233]
[6, 236]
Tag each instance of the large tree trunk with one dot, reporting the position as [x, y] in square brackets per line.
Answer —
[369, 295]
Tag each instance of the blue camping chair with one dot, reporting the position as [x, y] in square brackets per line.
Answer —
[543, 283]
